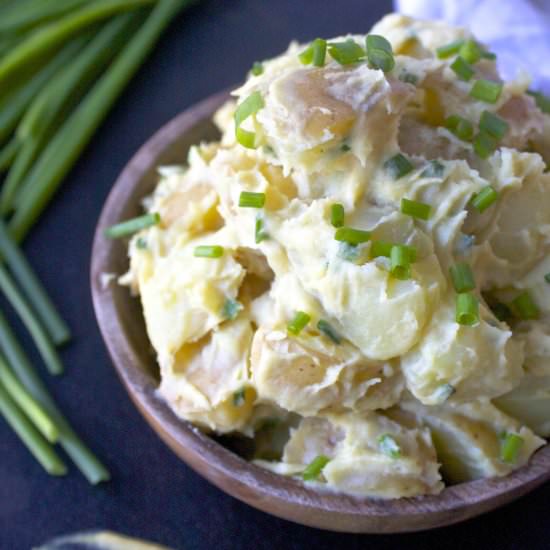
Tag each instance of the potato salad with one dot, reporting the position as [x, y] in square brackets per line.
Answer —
[355, 279]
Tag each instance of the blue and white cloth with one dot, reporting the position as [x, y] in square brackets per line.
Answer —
[518, 31]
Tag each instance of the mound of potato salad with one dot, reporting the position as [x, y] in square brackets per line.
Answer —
[356, 277]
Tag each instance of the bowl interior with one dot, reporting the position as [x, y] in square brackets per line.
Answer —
[121, 322]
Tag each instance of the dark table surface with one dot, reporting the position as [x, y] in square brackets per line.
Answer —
[153, 494]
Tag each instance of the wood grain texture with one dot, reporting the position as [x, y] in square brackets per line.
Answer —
[123, 329]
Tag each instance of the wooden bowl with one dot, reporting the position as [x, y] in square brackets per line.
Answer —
[122, 325]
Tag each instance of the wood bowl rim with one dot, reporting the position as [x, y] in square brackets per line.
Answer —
[281, 496]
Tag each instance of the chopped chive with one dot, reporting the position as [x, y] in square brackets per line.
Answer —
[486, 90]
[467, 309]
[337, 215]
[315, 467]
[347, 52]
[415, 209]
[249, 199]
[208, 251]
[471, 51]
[352, 236]
[510, 447]
[315, 53]
[400, 266]
[345, 148]
[249, 107]
[382, 248]
[298, 323]
[328, 331]
[257, 68]
[434, 170]
[260, 233]
[443, 52]
[501, 311]
[525, 307]
[460, 127]
[462, 277]
[547, 278]
[239, 397]
[485, 198]
[306, 56]
[462, 69]
[443, 392]
[231, 309]
[485, 145]
[129, 227]
[379, 53]
[388, 445]
[493, 125]
[141, 243]
[398, 166]
[489, 55]
[542, 101]
[409, 78]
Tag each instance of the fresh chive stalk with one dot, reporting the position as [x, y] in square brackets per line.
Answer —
[398, 166]
[484, 145]
[260, 233]
[462, 128]
[416, 209]
[352, 236]
[28, 404]
[315, 53]
[435, 169]
[257, 68]
[486, 90]
[63, 150]
[8, 154]
[298, 322]
[383, 248]
[485, 198]
[462, 69]
[493, 125]
[249, 107]
[38, 333]
[467, 309]
[400, 264]
[525, 307]
[94, 471]
[208, 251]
[249, 199]
[337, 215]
[129, 227]
[448, 50]
[470, 51]
[37, 445]
[462, 277]
[315, 467]
[379, 53]
[346, 52]
[510, 448]
[47, 313]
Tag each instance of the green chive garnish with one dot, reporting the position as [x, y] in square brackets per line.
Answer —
[398, 166]
[467, 309]
[249, 199]
[379, 53]
[493, 125]
[388, 445]
[486, 90]
[208, 251]
[260, 233]
[231, 309]
[257, 68]
[347, 52]
[409, 78]
[525, 307]
[547, 277]
[239, 397]
[415, 209]
[542, 101]
[337, 215]
[249, 107]
[129, 227]
[470, 51]
[449, 50]
[489, 55]
[352, 236]
[485, 198]
[462, 277]
[381, 248]
[462, 69]
[460, 127]
[315, 467]
[315, 53]
[328, 331]
[510, 447]
[400, 266]
[434, 170]
[345, 148]
[485, 145]
[298, 323]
